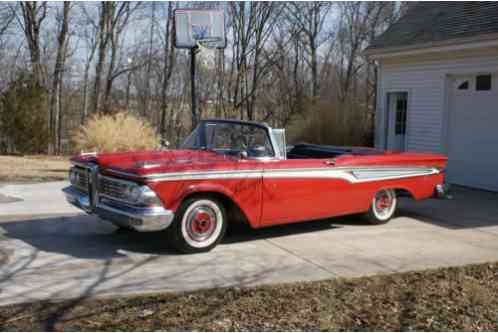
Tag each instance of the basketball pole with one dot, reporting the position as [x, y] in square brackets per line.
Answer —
[193, 51]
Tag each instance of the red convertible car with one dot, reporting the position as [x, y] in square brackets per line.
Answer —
[232, 170]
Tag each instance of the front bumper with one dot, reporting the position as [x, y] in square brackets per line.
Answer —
[137, 218]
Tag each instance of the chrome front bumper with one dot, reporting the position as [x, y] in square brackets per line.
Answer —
[137, 218]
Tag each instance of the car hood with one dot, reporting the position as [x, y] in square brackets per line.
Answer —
[143, 163]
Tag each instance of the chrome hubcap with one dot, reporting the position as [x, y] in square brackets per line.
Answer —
[384, 204]
[201, 223]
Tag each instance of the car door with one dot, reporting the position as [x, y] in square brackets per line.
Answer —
[303, 189]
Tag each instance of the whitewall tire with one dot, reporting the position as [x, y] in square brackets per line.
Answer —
[383, 207]
[200, 224]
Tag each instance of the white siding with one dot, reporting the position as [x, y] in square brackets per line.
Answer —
[425, 83]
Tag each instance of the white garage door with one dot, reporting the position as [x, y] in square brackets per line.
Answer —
[473, 132]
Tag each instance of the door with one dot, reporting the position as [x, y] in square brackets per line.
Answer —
[473, 131]
[303, 189]
[397, 103]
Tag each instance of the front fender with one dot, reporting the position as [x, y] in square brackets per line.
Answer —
[244, 193]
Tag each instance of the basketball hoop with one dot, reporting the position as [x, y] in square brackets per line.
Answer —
[194, 26]
[199, 31]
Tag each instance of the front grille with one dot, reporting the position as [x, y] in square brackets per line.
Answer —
[112, 188]
[81, 179]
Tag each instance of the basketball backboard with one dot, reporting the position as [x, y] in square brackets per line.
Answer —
[199, 26]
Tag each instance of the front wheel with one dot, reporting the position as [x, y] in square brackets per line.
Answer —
[383, 207]
[199, 225]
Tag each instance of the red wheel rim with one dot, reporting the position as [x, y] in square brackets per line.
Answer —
[201, 223]
[384, 203]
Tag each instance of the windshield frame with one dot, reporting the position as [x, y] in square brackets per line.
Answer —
[200, 133]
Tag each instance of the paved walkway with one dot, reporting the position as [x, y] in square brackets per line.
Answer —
[47, 251]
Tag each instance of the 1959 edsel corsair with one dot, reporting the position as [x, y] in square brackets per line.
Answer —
[228, 170]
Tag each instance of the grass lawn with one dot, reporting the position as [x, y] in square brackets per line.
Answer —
[35, 168]
[462, 298]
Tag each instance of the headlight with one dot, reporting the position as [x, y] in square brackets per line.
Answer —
[143, 196]
[73, 177]
[134, 193]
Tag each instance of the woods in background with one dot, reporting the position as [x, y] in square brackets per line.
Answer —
[294, 64]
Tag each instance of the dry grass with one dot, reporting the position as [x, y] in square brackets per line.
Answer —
[33, 168]
[115, 133]
[461, 298]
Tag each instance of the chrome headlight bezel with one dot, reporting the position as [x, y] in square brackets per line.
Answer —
[142, 195]
[73, 177]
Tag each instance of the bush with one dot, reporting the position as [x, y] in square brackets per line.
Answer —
[328, 122]
[23, 117]
[116, 133]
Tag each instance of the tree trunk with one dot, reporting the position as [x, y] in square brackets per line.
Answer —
[169, 59]
[102, 52]
[54, 109]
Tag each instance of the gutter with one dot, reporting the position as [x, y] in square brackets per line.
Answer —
[480, 41]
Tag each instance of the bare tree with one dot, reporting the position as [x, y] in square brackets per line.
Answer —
[252, 25]
[7, 16]
[89, 31]
[113, 20]
[168, 65]
[31, 19]
[104, 36]
[119, 18]
[56, 93]
[309, 19]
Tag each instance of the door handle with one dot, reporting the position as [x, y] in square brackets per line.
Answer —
[330, 162]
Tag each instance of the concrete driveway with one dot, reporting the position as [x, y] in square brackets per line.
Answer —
[63, 254]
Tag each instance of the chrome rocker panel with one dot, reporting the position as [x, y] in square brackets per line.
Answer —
[139, 219]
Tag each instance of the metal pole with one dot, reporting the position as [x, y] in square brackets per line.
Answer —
[192, 87]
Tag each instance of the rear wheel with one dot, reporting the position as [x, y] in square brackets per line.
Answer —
[200, 224]
[383, 207]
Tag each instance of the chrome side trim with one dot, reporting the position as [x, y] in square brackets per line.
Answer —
[206, 175]
[350, 174]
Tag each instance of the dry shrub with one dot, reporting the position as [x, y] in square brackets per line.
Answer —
[116, 133]
[329, 122]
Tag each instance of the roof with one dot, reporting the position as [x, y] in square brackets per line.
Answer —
[433, 22]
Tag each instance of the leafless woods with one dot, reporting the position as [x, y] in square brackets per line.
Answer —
[293, 64]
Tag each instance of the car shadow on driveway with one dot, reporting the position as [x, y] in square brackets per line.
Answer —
[84, 236]
[469, 208]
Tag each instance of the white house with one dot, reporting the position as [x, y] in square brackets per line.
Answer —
[438, 87]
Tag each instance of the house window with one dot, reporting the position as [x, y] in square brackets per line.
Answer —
[483, 82]
[401, 106]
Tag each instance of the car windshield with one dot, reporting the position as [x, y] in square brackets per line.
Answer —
[230, 138]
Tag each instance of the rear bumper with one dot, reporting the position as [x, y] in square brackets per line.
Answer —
[442, 191]
[137, 218]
